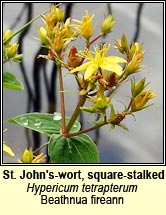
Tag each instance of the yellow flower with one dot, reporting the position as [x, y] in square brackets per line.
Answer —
[56, 38]
[85, 27]
[139, 102]
[99, 60]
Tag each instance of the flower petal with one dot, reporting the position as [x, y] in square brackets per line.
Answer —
[115, 59]
[80, 68]
[113, 68]
[111, 64]
[90, 71]
[8, 150]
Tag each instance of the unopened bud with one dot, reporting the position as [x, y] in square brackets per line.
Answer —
[125, 44]
[43, 35]
[133, 66]
[58, 44]
[7, 34]
[107, 25]
[102, 103]
[136, 88]
[12, 50]
[139, 102]
[137, 49]
[86, 26]
[59, 14]
[27, 156]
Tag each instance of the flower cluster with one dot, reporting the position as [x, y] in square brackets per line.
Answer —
[97, 73]
[10, 49]
[56, 34]
[134, 55]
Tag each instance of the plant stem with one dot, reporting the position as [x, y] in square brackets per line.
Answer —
[42, 146]
[81, 102]
[85, 130]
[94, 40]
[62, 100]
[124, 113]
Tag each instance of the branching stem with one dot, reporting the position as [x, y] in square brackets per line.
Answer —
[75, 115]
[62, 100]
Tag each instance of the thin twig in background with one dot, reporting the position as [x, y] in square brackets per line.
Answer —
[20, 50]
[97, 131]
[138, 22]
[19, 17]
[23, 69]
[109, 9]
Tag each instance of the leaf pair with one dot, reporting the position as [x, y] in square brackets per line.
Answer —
[77, 149]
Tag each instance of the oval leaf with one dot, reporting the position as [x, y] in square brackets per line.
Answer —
[11, 82]
[44, 123]
[77, 149]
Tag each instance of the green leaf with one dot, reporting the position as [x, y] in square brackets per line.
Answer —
[77, 149]
[112, 114]
[100, 121]
[11, 82]
[123, 126]
[44, 123]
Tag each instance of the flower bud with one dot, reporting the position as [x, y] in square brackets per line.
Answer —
[139, 102]
[102, 103]
[58, 44]
[58, 13]
[125, 44]
[107, 25]
[137, 49]
[118, 45]
[7, 34]
[133, 66]
[27, 156]
[12, 50]
[54, 16]
[85, 27]
[136, 88]
[43, 35]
